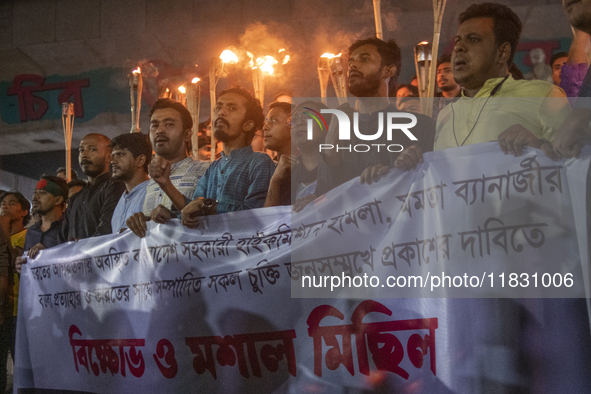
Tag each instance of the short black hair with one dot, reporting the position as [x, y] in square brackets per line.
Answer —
[254, 111]
[413, 89]
[180, 108]
[506, 24]
[389, 51]
[25, 204]
[136, 143]
[557, 56]
[283, 106]
[61, 182]
[203, 125]
[444, 59]
[63, 169]
[282, 93]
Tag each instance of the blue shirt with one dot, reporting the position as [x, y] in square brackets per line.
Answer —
[237, 181]
[128, 204]
[49, 238]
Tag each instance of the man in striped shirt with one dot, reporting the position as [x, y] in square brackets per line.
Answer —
[174, 173]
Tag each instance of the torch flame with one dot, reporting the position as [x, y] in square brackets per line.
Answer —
[228, 56]
[182, 89]
[137, 71]
[195, 80]
[282, 50]
[423, 42]
[330, 55]
[266, 63]
[251, 56]
[286, 59]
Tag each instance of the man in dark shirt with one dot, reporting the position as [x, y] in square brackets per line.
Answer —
[373, 65]
[49, 200]
[90, 210]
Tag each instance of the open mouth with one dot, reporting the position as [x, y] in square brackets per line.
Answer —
[460, 64]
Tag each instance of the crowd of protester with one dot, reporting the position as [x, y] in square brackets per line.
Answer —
[269, 160]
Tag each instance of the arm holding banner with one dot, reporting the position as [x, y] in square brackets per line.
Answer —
[573, 134]
[516, 137]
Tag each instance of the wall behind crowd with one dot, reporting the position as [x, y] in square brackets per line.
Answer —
[82, 51]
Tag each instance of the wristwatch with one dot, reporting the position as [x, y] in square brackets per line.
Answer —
[207, 207]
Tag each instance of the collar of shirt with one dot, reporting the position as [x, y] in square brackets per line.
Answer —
[174, 166]
[135, 190]
[489, 86]
[236, 153]
[37, 226]
[102, 178]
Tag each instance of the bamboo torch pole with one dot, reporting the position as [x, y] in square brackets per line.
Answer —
[323, 75]
[377, 13]
[337, 75]
[213, 66]
[193, 99]
[135, 91]
[438, 8]
[68, 124]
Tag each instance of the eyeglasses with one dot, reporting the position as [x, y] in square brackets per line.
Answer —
[299, 120]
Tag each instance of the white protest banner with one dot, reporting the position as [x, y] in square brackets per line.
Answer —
[209, 310]
[468, 222]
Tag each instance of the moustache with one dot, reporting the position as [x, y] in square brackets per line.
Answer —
[224, 121]
[83, 162]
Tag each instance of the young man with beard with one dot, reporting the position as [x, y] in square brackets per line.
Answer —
[90, 211]
[174, 173]
[240, 179]
[277, 135]
[373, 65]
[132, 154]
[520, 113]
[445, 79]
[49, 200]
